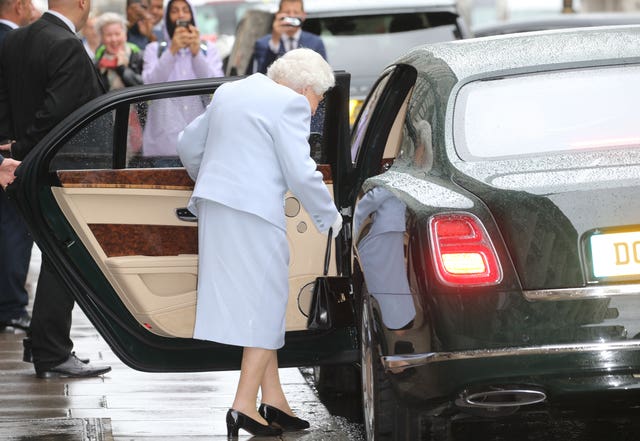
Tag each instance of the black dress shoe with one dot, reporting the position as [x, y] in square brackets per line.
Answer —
[22, 322]
[74, 368]
[278, 418]
[237, 420]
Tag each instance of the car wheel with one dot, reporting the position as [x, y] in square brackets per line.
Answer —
[377, 394]
[385, 417]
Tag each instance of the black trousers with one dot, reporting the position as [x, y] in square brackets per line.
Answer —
[15, 253]
[51, 320]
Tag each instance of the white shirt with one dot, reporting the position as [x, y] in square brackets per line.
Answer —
[11, 24]
[286, 42]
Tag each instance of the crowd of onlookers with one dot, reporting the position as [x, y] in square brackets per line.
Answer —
[155, 43]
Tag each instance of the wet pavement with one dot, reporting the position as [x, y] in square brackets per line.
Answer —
[126, 405]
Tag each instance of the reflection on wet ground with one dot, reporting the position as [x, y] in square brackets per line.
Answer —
[58, 429]
[345, 407]
[543, 428]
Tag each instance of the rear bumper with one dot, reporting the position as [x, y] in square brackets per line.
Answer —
[561, 376]
[395, 363]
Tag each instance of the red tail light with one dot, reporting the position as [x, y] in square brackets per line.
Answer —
[462, 251]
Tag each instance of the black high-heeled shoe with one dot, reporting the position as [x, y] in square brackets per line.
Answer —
[278, 418]
[237, 420]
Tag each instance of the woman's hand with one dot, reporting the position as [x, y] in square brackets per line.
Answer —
[123, 60]
[145, 25]
[181, 38]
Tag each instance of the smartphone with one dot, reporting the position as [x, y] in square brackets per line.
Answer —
[292, 21]
[182, 23]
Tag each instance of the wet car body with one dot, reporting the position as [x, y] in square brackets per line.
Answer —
[492, 254]
[537, 325]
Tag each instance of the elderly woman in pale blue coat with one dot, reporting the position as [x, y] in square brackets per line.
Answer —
[182, 56]
[244, 153]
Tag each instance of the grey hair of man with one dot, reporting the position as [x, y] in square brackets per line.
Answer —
[302, 68]
[109, 18]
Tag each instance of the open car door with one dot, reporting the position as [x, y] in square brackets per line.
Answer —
[114, 224]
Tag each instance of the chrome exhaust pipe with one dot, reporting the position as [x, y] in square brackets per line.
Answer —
[502, 398]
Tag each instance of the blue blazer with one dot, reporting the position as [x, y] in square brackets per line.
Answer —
[263, 56]
[250, 147]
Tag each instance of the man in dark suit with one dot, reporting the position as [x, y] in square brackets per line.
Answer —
[15, 240]
[45, 74]
[286, 34]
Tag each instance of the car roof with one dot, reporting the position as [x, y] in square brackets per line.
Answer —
[557, 22]
[527, 51]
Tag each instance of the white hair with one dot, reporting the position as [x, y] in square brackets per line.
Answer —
[110, 18]
[301, 68]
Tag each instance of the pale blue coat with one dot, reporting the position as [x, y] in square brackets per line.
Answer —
[244, 153]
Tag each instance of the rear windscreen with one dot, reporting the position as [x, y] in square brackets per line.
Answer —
[546, 113]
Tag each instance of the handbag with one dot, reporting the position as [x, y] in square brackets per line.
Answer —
[331, 305]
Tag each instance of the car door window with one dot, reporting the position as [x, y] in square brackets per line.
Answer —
[91, 147]
[548, 113]
[159, 123]
[416, 149]
[140, 134]
[362, 123]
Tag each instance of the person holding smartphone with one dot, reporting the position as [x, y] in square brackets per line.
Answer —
[182, 56]
[140, 23]
[286, 34]
[118, 61]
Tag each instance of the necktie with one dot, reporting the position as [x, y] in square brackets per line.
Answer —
[292, 43]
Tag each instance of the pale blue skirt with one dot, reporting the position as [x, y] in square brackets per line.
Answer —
[243, 282]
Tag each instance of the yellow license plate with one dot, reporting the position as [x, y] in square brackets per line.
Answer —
[615, 254]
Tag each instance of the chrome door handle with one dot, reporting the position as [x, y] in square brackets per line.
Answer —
[185, 215]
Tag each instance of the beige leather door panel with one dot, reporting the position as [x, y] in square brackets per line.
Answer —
[127, 221]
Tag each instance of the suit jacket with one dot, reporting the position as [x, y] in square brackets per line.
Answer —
[4, 28]
[263, 56]
[45, 74]
[250, 146]
[3, 31]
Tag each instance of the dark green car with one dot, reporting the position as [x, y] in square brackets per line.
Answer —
[491, 195]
